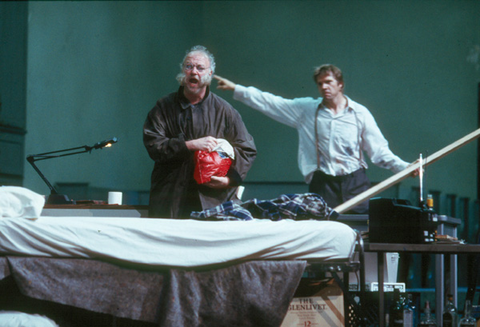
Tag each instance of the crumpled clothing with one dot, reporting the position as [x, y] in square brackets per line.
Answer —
[286, 206]
[225, 149]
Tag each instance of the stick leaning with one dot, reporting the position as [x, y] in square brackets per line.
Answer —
[406, 172]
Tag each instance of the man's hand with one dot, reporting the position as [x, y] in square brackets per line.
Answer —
[218, 182]
[207, 143]
[224, 84]
[416, 172]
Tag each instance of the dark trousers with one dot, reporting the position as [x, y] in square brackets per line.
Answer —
[335, 190]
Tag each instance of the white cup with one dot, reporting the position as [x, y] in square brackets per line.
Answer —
[114, 197]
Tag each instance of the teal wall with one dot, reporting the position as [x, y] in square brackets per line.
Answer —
[96, 68]
[13, 90]
[13, 68]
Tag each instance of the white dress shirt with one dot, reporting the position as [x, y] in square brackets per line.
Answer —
[342, 138]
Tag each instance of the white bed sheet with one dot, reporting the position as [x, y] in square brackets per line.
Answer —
[175, 243]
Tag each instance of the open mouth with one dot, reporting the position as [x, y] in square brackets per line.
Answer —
[193, 81]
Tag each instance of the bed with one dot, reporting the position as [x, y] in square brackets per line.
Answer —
[164, 272]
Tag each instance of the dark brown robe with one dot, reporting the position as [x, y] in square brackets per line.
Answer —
[174, 192]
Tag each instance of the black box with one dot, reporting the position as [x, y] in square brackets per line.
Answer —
[397, 221]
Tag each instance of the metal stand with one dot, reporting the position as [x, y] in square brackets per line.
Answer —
[55, 197]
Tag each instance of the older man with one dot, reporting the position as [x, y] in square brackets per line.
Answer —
[334, 131]
[186, 121]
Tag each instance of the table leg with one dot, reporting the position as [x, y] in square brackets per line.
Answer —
[381, 294]
[454, 278]
[454, 273]
[439, 287]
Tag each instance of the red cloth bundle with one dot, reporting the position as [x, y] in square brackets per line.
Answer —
[208, 164]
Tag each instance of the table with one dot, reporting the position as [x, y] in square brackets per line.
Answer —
[441, 249]
[446, 226]
[95, 210]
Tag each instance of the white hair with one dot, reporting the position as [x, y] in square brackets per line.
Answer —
[198, 48]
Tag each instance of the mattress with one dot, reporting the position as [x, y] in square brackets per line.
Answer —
[175, 243]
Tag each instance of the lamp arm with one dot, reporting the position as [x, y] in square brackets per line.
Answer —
[31, 160]
[49, 155]
[63, 153]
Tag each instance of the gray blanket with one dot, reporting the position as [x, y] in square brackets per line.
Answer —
[255, 293]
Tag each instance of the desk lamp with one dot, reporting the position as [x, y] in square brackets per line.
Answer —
[55, 197]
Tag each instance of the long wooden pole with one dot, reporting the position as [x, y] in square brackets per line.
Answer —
[406, 172]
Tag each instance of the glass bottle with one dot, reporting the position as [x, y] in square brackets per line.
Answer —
[409, 312]
[429, 201]
[450, 315]
[427, 320]
[467, 319]
[395, 317]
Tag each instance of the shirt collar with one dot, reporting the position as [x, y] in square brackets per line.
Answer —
[184, 103]
[350, 105]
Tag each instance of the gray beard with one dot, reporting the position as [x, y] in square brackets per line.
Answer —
[205, 80]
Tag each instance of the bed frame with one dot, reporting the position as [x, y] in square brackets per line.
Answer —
[255, 289]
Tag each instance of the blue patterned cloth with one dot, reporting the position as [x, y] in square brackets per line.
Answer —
[286, 206]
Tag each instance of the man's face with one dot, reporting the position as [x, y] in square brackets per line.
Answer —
[328, 86]
[197, 72]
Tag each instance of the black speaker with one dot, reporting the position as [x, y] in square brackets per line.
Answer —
[397, 221]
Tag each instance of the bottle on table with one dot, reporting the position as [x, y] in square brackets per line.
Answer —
[395, 316]
[430, 201]
[427, 319]
[468, 319]
[409, 312]
[450, 315]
